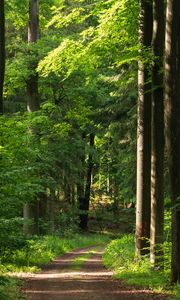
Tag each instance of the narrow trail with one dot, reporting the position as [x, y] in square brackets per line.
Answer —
[61, 280]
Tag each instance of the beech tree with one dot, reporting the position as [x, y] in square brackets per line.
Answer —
[172, 116]
[144, 130]
[157, 205]
[2, 52]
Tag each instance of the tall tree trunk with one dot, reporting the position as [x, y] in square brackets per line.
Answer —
[172, 117]
[2, 52]
[31, 210]
[115, 196]
[143, 132]
[84, 219]
[157, 156]
[33, 35]
[80, 184]
[73, 201]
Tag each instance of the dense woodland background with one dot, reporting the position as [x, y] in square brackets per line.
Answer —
[83, 84]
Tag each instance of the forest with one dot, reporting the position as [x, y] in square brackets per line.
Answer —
[90, 145]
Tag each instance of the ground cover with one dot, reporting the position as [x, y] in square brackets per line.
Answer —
[40, 251]
[119, 256]
[91, 281]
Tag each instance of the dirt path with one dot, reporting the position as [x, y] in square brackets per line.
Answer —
[61, 280]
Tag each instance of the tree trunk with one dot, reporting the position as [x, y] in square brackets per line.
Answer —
[51, 211]
[157, 155]
[73, 201]
[143, 132]
[115, 196]
[80, 184]
[31, 214]
[33, 35]
[42, 211]
[2, 53]
[67, 189]
[84, 219]
[31, 210]
[172, 117]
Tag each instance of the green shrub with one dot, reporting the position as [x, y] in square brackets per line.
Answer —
[119, 255]
[9, 288]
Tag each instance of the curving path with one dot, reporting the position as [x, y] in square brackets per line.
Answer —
[60, 280]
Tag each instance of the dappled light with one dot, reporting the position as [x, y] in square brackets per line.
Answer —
[92, 281]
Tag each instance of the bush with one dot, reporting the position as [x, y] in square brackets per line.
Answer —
[119, 255]
[9, 288]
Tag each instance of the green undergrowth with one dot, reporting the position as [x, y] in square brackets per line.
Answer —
[119, 256]
[80, 260]
[10, 288]
[41, 250]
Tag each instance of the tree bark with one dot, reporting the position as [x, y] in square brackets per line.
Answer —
[84, 219]
[33, 36]
[80, 185]
[31, 210]
[31, 214]
[172, 118]
[143, 132]
[157, 155]
[2, 52]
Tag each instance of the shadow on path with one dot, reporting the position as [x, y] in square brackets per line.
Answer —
[58, 281]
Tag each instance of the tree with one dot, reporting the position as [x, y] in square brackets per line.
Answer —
[172, 117]
[143, 130]
[2, 52]
[157, 157]
[30, 210]
[33, 35]
[86, 202]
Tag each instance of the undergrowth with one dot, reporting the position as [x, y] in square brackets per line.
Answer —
[80, 260]
[10, 288]
[37, 252]
[119, 256]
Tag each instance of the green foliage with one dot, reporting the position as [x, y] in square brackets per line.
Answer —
[119, 255]
[67, 222]
[11, 237]
[41, 250]
[9, 288]
[79, 261]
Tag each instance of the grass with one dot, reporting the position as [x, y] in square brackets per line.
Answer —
[39, 251]
[119, 256]
[80, 260]
[10, 288]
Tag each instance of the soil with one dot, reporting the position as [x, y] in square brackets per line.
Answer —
[61, 280]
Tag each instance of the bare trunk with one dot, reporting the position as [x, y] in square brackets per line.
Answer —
[30, 210]
[157, 156]
[80, 185]
[2, 53]
[31, 214]
[73, 201]
[84, 219]
[172, 117]
[67, 190]
[33, 35]
[115, 192]
[143, 133]
[51, 211]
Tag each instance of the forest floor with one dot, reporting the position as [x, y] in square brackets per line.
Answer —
[80, 274]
